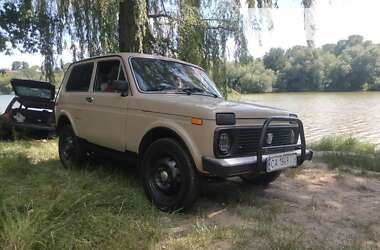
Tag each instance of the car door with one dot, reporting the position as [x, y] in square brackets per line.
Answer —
[75, 95]
[106, 116]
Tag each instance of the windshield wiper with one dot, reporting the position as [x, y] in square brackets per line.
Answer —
[190, 91]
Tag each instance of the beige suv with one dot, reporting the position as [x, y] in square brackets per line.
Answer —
[170, 116]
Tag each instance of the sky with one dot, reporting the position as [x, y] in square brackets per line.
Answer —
[334, 20]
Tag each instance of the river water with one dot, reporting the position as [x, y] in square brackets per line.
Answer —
[354, 114]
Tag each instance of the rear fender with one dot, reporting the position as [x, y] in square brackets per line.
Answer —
[62, 114]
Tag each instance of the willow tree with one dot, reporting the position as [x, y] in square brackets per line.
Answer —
[193, 30]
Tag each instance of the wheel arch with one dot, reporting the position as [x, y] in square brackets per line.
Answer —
[165, 132]
[63, 120]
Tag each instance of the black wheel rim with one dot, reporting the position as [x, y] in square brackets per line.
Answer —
[165, 176]
[67, 148]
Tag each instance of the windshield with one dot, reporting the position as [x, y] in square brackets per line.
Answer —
[166, 76]
[33, 92]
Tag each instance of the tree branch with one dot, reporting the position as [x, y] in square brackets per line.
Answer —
[159, 15]
[221, 27]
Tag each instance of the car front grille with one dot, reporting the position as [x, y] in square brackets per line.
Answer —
[247, 140]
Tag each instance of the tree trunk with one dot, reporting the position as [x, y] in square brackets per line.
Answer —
[132, 25]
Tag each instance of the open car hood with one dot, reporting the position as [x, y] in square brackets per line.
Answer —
[31, 89]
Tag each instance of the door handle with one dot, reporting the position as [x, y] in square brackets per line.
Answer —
[89, 99]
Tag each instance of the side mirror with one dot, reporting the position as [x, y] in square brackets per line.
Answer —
[121, 86]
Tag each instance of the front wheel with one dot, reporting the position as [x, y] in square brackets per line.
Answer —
[261, 179]
[170, 179]
[70, 148]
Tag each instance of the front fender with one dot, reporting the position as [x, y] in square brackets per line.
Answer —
[184, 135]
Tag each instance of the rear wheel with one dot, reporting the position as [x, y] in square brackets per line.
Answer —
[261, 179]
[170, 179]
[71, 152]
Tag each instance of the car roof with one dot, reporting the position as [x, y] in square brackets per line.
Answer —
[128, 55]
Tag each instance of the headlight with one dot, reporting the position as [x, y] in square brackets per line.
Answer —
[224, 144]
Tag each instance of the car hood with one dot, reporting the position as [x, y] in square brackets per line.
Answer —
[30, 89]
[202, 106]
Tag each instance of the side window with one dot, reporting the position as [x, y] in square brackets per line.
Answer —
[80, 78]
[108, 71]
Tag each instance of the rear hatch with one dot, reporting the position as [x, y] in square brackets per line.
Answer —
[34, 104]
[33, 90]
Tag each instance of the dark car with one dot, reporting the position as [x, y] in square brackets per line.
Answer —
[31, 111]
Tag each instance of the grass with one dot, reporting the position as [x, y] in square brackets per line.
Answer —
[340, 151]
[344, 144]
[45, 206]
[103, 206]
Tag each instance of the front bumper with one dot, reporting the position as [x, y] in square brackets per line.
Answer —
[243, 165]
[255, 164]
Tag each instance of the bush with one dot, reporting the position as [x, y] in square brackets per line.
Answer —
[251, 77]
[375, 86]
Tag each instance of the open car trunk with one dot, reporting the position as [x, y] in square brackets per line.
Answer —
[33, 106]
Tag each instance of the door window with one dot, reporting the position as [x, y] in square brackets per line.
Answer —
[80, 78]
[107, 72]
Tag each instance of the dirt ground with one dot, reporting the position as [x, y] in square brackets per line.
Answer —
[314, 207]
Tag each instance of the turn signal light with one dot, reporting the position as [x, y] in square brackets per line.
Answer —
[197, 121]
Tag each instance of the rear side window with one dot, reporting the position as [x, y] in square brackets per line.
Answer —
[80, 78]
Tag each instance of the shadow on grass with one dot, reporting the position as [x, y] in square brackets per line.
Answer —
[45, 206]
[102, 206]
[213, 192]
[122, 174]
[230, 192]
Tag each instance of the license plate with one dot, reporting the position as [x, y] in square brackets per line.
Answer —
[281, 161]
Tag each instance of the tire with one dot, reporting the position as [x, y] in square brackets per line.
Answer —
[70, 148]
[169, 177]
[262, 179]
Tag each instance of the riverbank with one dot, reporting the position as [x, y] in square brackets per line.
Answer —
[103, 207]
[348, 153]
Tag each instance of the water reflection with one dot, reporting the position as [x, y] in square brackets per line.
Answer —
[354, 113]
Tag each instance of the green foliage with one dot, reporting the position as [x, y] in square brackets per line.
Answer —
[251, 77]
[192, 31]
[43, 26]
[375, 86]
[275, 59]
[30, 73]
[349, 65]
[196, 31]
[303, 70]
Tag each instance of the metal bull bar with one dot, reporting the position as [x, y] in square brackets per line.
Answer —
[267, 149]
